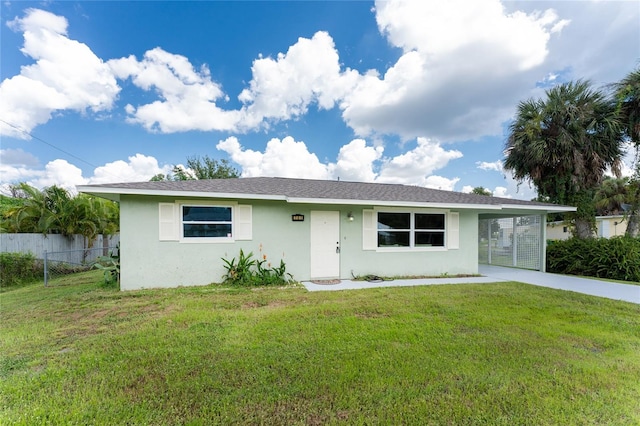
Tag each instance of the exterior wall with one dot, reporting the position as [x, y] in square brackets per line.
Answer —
[558, 231]
[147, 262]
[409, 263]
[606, 227]
[611, 226]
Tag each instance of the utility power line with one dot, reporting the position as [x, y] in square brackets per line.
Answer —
[21, 130]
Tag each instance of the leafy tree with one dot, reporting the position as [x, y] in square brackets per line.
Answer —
[480, 190]
[611, 195]
[200, 168]
[180, 173]
[564, 144]
[627, 94]
[209, 168]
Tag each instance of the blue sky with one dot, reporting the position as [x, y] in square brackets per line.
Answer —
[414, 92]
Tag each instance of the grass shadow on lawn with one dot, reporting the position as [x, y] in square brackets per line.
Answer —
[503, 353]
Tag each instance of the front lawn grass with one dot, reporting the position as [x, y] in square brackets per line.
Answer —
[504, 353]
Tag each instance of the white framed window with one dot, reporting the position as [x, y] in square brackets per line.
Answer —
[206, 221]
[400, 229]
[410, 229]
[197, 221]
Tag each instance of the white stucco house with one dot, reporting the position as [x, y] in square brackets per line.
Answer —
[176, 233]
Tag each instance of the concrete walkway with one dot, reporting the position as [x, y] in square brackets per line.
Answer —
[492, 274]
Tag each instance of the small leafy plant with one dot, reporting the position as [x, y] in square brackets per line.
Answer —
[110, 265]
[248, 272]
[239, 273]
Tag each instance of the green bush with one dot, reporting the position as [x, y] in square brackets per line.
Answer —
[110, 266]
[247, 271]
[18, 268]
[617, 258]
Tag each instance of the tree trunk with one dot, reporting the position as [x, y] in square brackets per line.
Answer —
[633, 222]
[583, 228]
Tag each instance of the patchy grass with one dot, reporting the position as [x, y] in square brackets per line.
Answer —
[503, 353]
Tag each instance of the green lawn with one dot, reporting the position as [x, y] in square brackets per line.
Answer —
[82, 353]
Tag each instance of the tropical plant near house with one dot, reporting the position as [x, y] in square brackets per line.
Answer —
[247, 271]
[564, 144]
[627, 95]
[110, 266]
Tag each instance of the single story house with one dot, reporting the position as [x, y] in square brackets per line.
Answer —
[606, 227]
[177, 233]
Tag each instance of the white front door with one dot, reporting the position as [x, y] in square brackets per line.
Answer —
[325, 244]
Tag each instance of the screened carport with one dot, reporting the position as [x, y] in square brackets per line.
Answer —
[517, 241]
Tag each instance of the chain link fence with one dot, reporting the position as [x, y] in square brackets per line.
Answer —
[59, 263]
[513, 242]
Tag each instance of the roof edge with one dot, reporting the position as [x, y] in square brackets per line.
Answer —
[106, 191]
[114, 193]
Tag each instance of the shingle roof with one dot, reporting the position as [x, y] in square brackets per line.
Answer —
[307, 189]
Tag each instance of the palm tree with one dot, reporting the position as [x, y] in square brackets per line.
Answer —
[54, 211]
[481, 190]
[611, 196]
[564, 144]
[627, 94]
[30, 215]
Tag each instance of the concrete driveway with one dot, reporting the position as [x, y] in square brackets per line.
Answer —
[626, 292]
[492, 274]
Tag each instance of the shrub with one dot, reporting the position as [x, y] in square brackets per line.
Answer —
[110, 266]
[616, 258]
[18, 268]
[247, 271]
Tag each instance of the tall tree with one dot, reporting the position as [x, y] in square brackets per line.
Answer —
[564, 144]
[209, 168]
[627, 94]
[200, 168]
[481, 190]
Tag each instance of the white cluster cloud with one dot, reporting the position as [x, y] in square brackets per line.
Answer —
[284, 158]
[496, 166]
[416, 165]
[62, 173]
[138, 168]
[461, 71]
[188, 96]
[356, 161]
[67, 75]
[284, 87]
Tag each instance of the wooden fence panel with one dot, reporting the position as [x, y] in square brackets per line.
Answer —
[38, 243]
